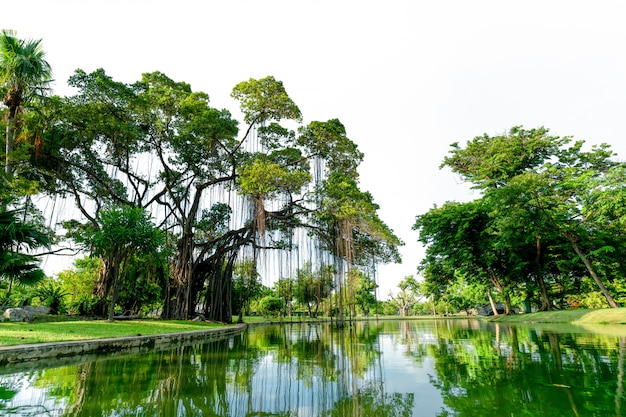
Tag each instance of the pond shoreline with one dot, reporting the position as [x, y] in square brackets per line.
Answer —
[57, 351]
[60, 351]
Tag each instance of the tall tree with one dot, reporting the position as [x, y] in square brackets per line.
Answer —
[554, 180]
[24, 73]
[459, 241]
[157, 144]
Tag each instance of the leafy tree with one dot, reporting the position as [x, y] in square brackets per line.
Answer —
[18, 236]
[458, 240]
[408, 295]
[540, 192]
[463, 294]
[246, 286]
[122, 231]
[362, 289]
[158, 145]
[78, 283]
[311, 287]
[24, 73]
[351, 229]
[270, 305]
[285, 289]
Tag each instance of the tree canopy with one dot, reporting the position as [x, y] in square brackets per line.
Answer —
[547, 219]
[218, 189]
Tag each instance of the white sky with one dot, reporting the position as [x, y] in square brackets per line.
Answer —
[406, 78]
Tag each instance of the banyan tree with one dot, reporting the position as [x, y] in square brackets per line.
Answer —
[276, 192]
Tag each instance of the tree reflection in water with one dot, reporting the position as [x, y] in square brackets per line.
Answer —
[468, 368]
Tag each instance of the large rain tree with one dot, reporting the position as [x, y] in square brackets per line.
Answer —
[218, 194]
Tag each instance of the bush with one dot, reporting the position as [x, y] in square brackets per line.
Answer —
[51, 295]
[270, 306]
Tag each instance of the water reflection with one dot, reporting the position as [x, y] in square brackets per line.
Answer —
[382, 369]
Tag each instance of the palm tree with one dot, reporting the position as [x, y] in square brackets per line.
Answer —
[15, 237]
[24, 73]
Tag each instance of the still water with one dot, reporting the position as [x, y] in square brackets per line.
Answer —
[387, 368]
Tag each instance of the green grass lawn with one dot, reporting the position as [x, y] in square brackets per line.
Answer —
[579, 316]
[61, 330]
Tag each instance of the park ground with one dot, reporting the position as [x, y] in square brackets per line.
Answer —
[48, 329]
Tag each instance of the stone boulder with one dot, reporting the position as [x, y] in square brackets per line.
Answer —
[39, 310]
[18, 314]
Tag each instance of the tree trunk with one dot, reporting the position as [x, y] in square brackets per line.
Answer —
[592, 272]
[545, 300]
[493, 304]
[113, 299]
[219, 296]
[10, 139]
[114, 271]
[177, 305]
[507, 299]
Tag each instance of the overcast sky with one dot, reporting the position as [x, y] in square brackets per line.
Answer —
[406, 78]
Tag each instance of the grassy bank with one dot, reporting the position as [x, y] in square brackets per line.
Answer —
[63, 330]
[600, 316]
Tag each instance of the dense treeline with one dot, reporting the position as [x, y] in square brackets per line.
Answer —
[174, 198]
[547, 231]
[183, 209]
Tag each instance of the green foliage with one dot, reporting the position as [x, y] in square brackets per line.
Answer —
[51, 295]
[388, 308]
[123, 230]
[270, 306]
[24, 75]
[18, 236]
[78, 283]
[312, 287]
[265, 100]
[548, 215]
[285, 289]
[361, 291]
[492, 161]
[246, 286]
[328, 141]
[159, 146]
[141, 288]
[268, 179]
[23, 68]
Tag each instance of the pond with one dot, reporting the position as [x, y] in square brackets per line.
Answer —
[460, 367]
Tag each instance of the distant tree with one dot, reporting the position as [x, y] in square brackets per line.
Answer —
[246, 286]
[285, 289]
[361, 290]
[406, 298]
[78, 283]
[311, 287]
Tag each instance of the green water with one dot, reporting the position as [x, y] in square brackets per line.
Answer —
[381, 369]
